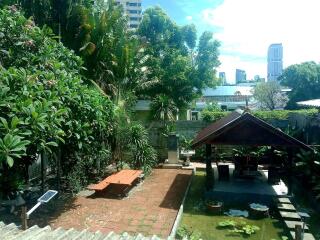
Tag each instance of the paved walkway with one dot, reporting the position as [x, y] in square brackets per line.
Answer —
[150, 208]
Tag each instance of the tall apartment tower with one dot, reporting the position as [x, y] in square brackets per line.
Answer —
[275, 61]
[241, 76]
[222, 76]
[133, 9]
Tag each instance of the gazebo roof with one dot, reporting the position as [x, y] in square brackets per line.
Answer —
[245, 129]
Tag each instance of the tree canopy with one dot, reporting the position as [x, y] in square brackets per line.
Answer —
[304, 80]
[270, 96]
[180, 68]
[44, 102]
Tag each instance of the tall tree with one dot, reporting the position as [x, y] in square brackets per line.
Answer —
[304, 80]
[172, 58]
[270, 96]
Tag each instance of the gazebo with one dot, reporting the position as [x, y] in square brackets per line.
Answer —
[246, 130]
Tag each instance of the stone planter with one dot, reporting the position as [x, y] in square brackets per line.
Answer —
[214, 207]
[258, 211]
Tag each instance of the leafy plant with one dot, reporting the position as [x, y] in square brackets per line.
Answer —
[227, 224]
[213, 115]
[184, 232]
[186, 143]
[144, 156]
[249, 229]
[239, 227]
[12, 147]
[44, 102]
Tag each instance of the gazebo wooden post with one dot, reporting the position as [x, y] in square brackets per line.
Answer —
[290, 167]
[209, 170]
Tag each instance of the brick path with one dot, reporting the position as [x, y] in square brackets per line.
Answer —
[151, 207]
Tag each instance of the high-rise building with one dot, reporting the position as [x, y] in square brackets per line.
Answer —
[241, 76]
[222, 76]
[133, 9]
[275, 61]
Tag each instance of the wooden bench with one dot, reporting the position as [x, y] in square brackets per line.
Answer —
[124, 177]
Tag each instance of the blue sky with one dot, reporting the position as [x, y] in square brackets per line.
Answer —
[246, 28]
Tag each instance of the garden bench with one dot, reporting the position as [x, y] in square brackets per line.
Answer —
[124, 177]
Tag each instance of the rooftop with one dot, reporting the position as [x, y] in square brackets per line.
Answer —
[228, 91]
[310, 103]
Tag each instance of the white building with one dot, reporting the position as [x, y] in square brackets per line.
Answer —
[133, 9]
[275, 61]
[228, 97]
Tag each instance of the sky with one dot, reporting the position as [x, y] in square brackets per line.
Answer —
[246, 28]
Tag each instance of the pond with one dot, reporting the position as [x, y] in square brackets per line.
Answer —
[200, 223]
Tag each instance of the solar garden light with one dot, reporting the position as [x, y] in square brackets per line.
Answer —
[304, 216]
[45, 198]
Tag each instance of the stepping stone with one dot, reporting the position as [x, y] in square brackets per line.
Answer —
[292, 215]
[292, 224]
[306, 236]
[284, 200]
[286, 207]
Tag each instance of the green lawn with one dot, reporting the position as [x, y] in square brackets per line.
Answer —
[197, 219]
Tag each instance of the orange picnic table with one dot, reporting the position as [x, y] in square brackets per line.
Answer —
[124, 177]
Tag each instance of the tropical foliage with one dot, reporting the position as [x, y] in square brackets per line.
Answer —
[304, 81]
[308, 170]
[44, 102]
[179, 68]
[68, 87]
[210, 116]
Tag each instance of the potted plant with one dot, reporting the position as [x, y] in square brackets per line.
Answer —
[186, 149]
[214, 206]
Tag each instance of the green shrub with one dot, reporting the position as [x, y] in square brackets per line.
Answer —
[184, 232]
[239, 227]
[212, 116]
[283, 114]
[144, 156]
[44, 102]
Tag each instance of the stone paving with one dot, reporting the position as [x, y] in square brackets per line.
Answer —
[150, 208]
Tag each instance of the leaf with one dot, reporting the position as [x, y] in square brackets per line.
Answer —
[14, 122]
[53, 144]
[4, 122]
[10, 161]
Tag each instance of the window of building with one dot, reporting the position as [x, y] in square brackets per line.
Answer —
[194, 115]
[134, 11]
[133, 25]
[131, 4]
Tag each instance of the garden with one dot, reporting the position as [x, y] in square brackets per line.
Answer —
[200, 223]
[70, 77]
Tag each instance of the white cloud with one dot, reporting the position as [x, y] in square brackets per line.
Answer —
[250, 26]
[189, 18]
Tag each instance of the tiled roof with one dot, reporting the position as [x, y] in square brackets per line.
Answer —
[13, 232]
[310, 103]
[245, 129]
